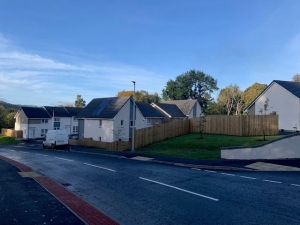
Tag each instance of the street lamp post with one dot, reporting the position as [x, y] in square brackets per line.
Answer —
[133, 118]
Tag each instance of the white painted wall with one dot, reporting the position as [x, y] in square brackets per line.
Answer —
[123, 114]
[287, 148]
[284, 103]
[93, 130]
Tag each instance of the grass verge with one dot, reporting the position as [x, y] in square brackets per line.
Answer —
[190, 146]
[4, 140]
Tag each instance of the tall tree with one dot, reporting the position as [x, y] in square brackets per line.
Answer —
[253, 91]
[140, 96]
[296, 77]
[79, 102]
[232, 99]
[193, 84]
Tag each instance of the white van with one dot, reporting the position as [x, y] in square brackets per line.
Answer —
[56, 138]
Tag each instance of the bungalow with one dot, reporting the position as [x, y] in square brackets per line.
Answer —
[178, 109]
[36, 121]
[147, 116]
[284, 100]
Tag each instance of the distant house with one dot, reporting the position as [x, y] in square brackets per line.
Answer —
[106, 119]
[178, 109]
[36, 121]
[147, 115]
[284, 100]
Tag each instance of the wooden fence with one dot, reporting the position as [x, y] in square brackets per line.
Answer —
[12, 133]
[241, 125]
[88, 142]
[229, 125]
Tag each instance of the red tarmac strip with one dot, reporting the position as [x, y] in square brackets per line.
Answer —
[81, 208]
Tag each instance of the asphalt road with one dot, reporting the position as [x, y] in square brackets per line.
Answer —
[136, 192]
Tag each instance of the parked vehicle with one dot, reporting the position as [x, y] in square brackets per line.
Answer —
[56, 138]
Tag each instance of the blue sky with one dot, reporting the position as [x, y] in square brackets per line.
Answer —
[50, 51]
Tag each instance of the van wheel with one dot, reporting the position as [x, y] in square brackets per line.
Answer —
[52, 146]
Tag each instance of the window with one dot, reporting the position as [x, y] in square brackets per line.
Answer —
[44, 120]
[100, 123]
[157, 121]
[131, 123]
[75, 129]
[43, 132]
[99, 138]
[122, 122]
[75, 119]
[149, 121]
[56, 123]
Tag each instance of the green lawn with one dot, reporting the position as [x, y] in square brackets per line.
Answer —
[4, 140]
[189, 146]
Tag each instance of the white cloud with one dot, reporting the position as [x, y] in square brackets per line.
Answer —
[37, 80]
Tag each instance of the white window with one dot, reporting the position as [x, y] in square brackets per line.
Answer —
[100, 123]
[44, 120]
[43, 132]
[75, 129]
[122, 122]
[149, 121]
[56, 123]
[56, 119]
[75, 119]
[131, 123]
[157, 121]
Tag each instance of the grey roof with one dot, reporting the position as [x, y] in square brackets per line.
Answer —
[106, 108]
[59, 111]
[171, 109]
[148, 111]
[35, 112]
[73, 111]
[291, 86]
[184, 105]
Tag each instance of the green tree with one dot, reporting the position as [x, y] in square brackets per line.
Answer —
[214, 108]
[9, 120]
[231, 99]
[79, 102]
[140, 96]
[193, 84]
[253, 91]
[296, 77]
[264, 111]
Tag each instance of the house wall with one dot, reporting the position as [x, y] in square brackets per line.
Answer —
[251, 110]
[123, 132]
[284, 103]
[196, 111]
[93, 130]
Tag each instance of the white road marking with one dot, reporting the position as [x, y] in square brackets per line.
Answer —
[228, 174]
[13, 150]
[210, 171]
[23, 152]
[252, 178]
[297, 185]
[180, 189]
[273, 181]
[195, 169]
[64, 159]
[100, 167]
[41, 154]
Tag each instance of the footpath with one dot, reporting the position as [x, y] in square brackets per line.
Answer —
[27, 197]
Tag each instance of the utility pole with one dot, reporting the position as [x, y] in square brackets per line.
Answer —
[133, 118]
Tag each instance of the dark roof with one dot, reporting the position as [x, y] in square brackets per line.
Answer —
[58, 111]
[35, 112]
[171, 109]
[184, 105]
[103, 107]
[148, 111]
[73, 111]
[291, 86]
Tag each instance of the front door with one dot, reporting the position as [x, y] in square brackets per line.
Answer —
[31, 133]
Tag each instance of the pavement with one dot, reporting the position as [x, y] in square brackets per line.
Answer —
[27, 197]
